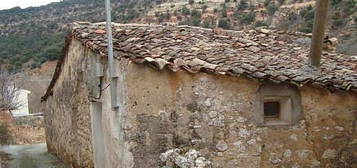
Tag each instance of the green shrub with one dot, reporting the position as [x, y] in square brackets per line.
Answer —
[192, 21]
[308, 13]
[132, 14]
[267, 2]
[242, 5]
[207, 24]
[160, 17]
[351, 6]
[224, 11]
[307, 28]
[272, 8]
[337, 19]
[335, 2]
[185, 11]
[338, 22]
[196, 13]
[247, 18]
[224, 23]
[292, 16]
[195, 21]
[204, 8]
[191, 2]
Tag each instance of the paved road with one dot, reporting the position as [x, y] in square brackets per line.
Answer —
[31, 156]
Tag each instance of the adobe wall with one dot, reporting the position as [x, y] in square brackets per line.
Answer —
[214, 115]
[67, 111]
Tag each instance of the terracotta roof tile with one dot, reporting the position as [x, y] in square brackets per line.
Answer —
[260, 54]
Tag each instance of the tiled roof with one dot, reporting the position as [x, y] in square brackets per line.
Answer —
[261, 54]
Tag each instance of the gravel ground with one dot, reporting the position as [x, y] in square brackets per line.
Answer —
[28, 156]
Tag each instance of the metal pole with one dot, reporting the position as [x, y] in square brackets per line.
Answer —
[112, 72]
[318, 32]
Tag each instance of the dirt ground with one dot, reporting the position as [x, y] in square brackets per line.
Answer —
[30, 156]
[27, 133]
[24, 130]
[20, 131]
[4, 159]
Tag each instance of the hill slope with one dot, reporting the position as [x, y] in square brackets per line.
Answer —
[35, 35]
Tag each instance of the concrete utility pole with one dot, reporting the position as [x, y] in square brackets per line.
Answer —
[112, 68]
[318, 32]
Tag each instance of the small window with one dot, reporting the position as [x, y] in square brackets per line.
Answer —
[271, 110]
[278, 105]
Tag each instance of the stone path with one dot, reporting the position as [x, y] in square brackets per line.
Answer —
[30, 156]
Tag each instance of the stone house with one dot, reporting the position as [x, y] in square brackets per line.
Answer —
[194, 97]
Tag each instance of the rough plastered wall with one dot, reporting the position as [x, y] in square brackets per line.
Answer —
[67, 111]
[214, 115]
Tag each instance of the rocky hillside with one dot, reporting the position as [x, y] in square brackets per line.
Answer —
[289, 15]
[29, 37]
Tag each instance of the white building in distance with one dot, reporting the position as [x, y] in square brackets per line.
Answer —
[22, 99]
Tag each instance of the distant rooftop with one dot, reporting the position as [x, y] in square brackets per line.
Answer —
[271, 55]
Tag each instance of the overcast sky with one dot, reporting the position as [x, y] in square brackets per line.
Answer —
[6, 4]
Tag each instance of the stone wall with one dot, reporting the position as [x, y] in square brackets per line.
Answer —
[170, 118]
[214, 115]
[67, 112]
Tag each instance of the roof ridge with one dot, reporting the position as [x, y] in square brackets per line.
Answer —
[258, 29]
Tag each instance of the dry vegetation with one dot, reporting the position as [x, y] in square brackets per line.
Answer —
[26, 130]
[5, 137]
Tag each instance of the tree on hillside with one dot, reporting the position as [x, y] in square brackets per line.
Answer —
[185, 10]
[267, 2]
[242, 5]
[208, 24]
[308, 15]
[272, 8]
[247, 18]
[224, 23]
[224, 10]
[8, 91]
[196, 13]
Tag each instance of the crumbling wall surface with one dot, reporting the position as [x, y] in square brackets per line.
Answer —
[67, 111]
[207, 121]
[331, 120]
